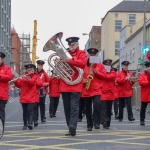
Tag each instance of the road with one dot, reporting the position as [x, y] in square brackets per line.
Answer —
[51, 135]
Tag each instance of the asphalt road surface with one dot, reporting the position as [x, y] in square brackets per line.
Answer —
[51, 135]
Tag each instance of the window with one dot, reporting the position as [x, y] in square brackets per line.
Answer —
[118, 25]
[132, 19]
[117, 47]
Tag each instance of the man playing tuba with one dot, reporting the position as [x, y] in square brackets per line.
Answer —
[71, 93]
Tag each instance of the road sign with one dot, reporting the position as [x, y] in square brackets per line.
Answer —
[145, 50]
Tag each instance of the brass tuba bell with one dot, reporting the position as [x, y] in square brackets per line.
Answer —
[64, 70]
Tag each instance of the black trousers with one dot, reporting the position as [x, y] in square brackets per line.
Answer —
[54, 101]
[129, 107]
[81, 108]
[116, 106]
[106, 109]
[96, 109]
[143, 110]
[2, 109]
[89, 112]
[42, 107]
[71, 107]
[35, 112]
[27, 113]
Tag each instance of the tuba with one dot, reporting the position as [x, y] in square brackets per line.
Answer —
[64, 70]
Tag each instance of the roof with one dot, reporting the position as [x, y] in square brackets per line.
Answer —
[132, 6]
[139, 30]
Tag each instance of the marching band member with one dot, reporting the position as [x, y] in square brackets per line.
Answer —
[116, 101]
[71, 93]
[40, 72]
[125, 92]
[54, 94]
[39, 84]
[5, 77]
[108, 94]
[144, 82]
[81, 109]
[27, 85]
[85, 96]
[95, 75]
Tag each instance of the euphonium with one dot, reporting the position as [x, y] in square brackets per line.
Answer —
[64, 70]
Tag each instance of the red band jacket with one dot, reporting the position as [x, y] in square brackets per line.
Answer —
[44, 77]
[54, 87]
[78, 60]
[5, 77]
[39, 84]
[96, 82]
[145, 87]
[108, 89]
[28, 88]
[125, 86]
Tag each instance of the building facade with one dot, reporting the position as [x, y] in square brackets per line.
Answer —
[15, 46]
[5, 29]
[94, 40]
[131, 47]
[128, 13]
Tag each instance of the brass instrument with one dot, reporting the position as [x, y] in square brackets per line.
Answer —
[13, 80]
[89, 78]
[64, 70]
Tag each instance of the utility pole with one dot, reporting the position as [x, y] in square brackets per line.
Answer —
[34, 42]
[144, 26]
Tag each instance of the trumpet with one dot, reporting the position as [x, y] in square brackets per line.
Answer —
[13, 80]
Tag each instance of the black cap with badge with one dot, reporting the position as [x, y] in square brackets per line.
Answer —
[125, 63]
[92, 51]
[72, 40]
[30, 66]
[107, 62]
[40, 62]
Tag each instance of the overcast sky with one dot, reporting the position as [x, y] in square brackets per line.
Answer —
[72, 17]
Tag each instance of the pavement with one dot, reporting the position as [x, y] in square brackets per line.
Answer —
[51, 135]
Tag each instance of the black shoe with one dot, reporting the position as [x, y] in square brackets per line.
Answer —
[24, 127]
[35, 124]
[142, 123]
[83, 115]
[51, 116]
[79, 120]
[105, 125]
[116, 117]
[97, 127]
[89, 129]
[30, 126]
[54, 115]
[120, 120]
[43, 120]
[72, 131]
[68, 134]
[131, 119]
